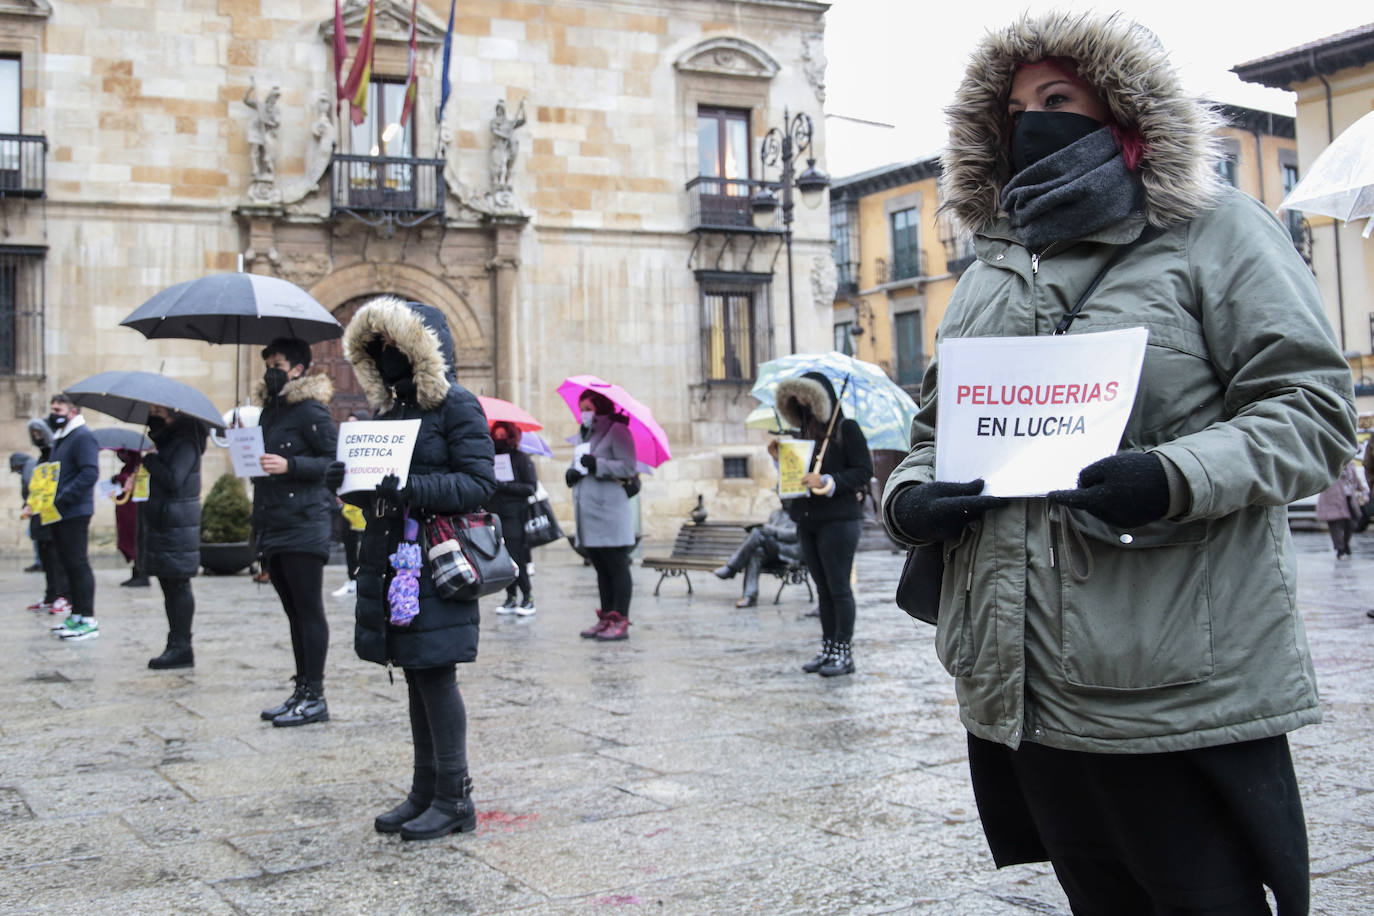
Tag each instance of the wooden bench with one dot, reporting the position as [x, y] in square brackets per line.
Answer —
[704, 547]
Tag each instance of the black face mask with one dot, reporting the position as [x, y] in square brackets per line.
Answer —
[56, 421]
[275, 380]
[393, 366]
[156, 424]
[1038, 134]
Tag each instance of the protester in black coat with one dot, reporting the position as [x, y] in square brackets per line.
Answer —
[78, 457]
[402, 354]
[509, 503]
[54, 599]
[829, 519]
[171, 524]
[291, 514]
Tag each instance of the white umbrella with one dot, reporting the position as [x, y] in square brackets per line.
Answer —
[1340, 181]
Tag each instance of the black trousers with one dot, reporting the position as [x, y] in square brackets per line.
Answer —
[180, 604]
[70, 540]
[1189, 832]
[351, 540]
[513, 531]
[829, 551]
[1340, 530]
[439, 732]
[613, 579]
[299, 581]
[54, 576]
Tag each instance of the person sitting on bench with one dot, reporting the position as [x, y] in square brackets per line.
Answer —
[774, 541]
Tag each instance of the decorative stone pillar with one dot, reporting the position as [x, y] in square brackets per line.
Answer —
[505, 267]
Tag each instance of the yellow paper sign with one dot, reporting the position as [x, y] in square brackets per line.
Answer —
[794, 460]
[354, 516]
[141, 485]
[42, 492]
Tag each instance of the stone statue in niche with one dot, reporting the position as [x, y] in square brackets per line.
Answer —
[322, 145]
[504, 146]
[262, 132]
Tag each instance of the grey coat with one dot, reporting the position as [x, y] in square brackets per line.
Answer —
[604, 515]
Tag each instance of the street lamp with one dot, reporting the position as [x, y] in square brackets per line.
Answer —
[786, 146]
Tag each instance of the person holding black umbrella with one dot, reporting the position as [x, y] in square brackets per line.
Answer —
[78, 457]
[170, 525]
[292, 510]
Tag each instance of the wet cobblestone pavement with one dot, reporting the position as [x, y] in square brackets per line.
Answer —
[692, 769]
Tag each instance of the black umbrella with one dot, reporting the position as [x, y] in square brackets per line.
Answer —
[118, 437]
[126, 396]
[236, 308]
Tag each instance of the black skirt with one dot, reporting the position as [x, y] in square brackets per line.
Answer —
[1177, 820]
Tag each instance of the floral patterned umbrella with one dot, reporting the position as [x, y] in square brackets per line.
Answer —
[883, 410]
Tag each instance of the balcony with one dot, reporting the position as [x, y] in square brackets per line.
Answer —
[23, 165]
[380, 190]
[911, 266]
[722, 205]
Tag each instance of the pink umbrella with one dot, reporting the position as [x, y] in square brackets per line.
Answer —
[498, 411]
[651, 442]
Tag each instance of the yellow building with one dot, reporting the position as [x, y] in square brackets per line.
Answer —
[1333, 79]
[897, 261]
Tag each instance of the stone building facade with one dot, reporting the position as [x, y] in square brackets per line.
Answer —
[571, 231]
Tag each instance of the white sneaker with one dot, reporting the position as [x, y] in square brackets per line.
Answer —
[509, 607]
[348, 588]
[526, 608]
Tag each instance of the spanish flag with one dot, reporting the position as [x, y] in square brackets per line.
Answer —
[360, 74]
[411, 88]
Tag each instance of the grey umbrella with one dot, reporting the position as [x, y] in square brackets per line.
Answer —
[235, 308]
[117, 437]
[126, 395]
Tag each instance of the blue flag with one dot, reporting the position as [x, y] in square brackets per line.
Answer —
[448, 47]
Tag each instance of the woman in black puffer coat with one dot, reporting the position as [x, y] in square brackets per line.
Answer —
[171, 525]
[402, 354]
[292, 514]
[829, 519]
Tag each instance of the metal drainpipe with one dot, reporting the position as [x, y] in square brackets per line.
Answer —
[1335, 225]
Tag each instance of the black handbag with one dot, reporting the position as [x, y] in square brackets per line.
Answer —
[467, 556]
[541, 527]
[918, 589]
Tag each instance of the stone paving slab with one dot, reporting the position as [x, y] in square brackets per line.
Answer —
[692, 769]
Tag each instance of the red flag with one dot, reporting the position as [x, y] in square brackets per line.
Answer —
[340, 52]
[410, 71]
[360, 74]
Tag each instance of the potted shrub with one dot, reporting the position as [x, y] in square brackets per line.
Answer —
[226, 542]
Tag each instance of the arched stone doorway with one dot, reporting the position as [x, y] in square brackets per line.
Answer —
[328, 357]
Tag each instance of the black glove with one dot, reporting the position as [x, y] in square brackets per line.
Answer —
[1127, 490]
[589, 462]
[571, 477]
[333, 476]
[388, 496]
[939, 510]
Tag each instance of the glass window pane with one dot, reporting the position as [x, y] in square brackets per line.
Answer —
[395, 138]
[708, 146]
[909, 348]
[362, 138]
[736, 164]
[9, 96]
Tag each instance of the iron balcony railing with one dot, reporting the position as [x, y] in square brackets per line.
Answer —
[23, 165]
[723, 203]
[387, 189]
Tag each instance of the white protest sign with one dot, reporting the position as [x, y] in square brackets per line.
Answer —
[505, 471]
[245, 450]
[1026, 414]
[372, 449]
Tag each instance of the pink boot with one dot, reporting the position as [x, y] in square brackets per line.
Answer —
[593, 631]
[617, 627]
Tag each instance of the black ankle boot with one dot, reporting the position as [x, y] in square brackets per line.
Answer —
[408, 810]
[311, 707]
[286, 705]
[177, 654]
[444, 815]
[822, 657]
[841, 662]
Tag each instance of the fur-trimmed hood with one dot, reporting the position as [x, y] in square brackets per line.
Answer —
[419, 331]
[812, 389]
[315, 387]
[1125, 63]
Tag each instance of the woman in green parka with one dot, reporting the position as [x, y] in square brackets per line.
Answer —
[1129, 655]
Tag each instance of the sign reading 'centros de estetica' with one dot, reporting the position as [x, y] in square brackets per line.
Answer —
[1026, 414]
